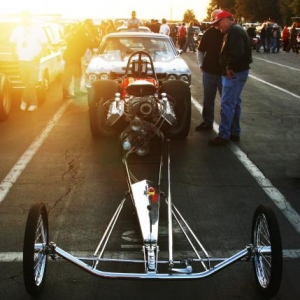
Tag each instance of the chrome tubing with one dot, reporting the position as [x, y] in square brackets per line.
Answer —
[108, 231]
[151, 275]
[170, 225]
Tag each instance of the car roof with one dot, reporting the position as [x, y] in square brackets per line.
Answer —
[141, 28]
[137, 34]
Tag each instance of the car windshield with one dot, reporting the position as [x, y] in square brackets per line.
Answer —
[118, 48]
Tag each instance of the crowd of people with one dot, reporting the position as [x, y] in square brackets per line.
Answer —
[272, 37]
[82, 37]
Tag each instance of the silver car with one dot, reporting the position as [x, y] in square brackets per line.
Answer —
[110, 61]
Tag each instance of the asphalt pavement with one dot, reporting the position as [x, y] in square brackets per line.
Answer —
[50, 156]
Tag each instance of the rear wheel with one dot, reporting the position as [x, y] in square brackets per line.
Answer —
[5, 97]
[34, 249]
[267, 260]
[100, 93]
[179, 92]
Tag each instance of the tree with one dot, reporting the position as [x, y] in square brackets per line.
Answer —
[189, 16]
[222, 4]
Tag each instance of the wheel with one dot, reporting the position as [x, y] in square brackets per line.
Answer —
[5, 97]
[267, 266]
[35, 258]
[179, 91]
[101, 91]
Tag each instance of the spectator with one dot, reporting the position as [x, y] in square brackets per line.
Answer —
[110, 27]
[262, 38]
[173, 33]
[285, 35]
[235, 57]
[293, 39]
[252, 34]
[190, 38]
[77, 44]
[208, 60]
[29, 46]
[164, 27]
[181, 35]
[275, 34]
[134, 23]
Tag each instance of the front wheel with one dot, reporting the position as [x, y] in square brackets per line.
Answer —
[34, 249]
[267, 260]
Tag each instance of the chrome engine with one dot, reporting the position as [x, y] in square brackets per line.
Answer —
[145, 115]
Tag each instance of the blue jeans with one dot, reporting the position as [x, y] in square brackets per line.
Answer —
[231, 104]
[211, 83]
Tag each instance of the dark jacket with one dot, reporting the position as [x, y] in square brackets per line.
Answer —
[236, 50]
[210, 45]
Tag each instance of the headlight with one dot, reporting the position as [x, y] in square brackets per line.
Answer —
[104, 76]
[184, 78]
[172, 77]
[92, 77]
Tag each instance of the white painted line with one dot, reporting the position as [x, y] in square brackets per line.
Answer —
[275, 63]
[273, 193]
[8, 257]
[23, 161]
[275, 86]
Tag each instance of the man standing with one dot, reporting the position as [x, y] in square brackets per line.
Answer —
[181, 35]
[235, 58]
[133, 23]
[208, 60]
[29, 45]
[77, 44]
[164, 27]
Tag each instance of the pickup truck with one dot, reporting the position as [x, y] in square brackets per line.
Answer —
[51, 65]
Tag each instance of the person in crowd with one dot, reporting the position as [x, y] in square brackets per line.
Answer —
[293, 39]
[208, 60]
[251, 33]
[164, 27]
[154, 26]
[29, 45]
[173, 33]
[190, 38]
[285, 35]
[181, 35]
[133, 23]
[235, 58]
[77, 44]
[262, 38]
[274, 37]
[110, 27]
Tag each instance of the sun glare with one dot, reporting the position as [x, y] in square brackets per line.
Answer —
[155, 9]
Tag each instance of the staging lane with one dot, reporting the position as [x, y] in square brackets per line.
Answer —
[79, 177]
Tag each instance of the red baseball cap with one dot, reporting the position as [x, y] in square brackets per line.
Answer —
[220, 16]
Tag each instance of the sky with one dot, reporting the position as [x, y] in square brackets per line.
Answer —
[153, 9]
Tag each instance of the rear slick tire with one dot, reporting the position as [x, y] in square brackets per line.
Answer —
[179, 92]
[101, 91]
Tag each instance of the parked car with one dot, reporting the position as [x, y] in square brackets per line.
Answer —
[51, 65]
[110, 60]
[137, 68]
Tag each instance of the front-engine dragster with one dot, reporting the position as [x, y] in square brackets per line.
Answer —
[141, 111]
